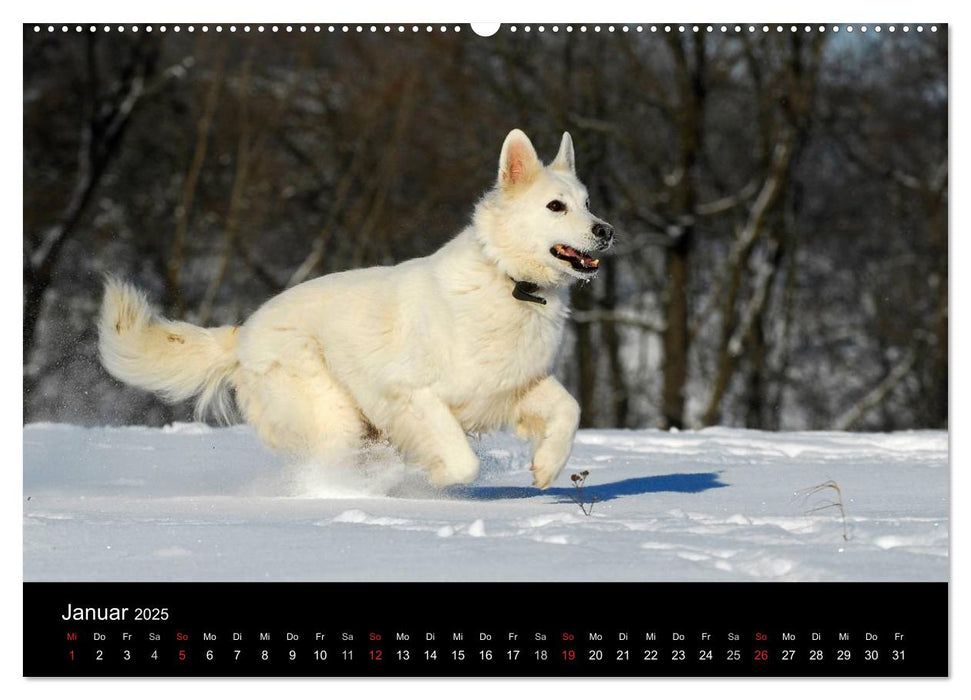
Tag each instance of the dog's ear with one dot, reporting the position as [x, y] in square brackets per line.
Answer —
[565, 160]
[518, 162]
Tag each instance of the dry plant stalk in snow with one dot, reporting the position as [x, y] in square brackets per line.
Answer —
[578, 495]
[837, 501]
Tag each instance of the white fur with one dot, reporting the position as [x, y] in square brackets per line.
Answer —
[421, 353]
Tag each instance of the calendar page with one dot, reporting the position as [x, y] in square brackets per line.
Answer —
[537, 349]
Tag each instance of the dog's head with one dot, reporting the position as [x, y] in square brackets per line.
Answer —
[536, 223]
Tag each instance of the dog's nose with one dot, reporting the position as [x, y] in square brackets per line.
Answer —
[603, 232]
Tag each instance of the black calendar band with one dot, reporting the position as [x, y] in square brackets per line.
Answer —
[486, 629]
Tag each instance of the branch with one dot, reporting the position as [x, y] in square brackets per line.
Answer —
[319, 246]
[728, 203]
[750, 233]
[753, 310]
[260, 271]
[245, 149]
[623, 318]
[876, 395]
[91, 164]
[96, 151]
[184, 210]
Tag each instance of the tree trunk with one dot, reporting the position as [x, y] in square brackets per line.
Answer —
[677, 260]
[586, 361]
[620, 402]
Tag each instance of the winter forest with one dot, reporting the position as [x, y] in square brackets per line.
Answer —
[780, 200]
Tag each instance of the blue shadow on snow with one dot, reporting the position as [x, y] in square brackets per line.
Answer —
[676, 483]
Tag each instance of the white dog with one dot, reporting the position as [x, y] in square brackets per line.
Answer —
[420, 354]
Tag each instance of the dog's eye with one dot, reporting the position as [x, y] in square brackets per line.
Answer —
[556, 205]
[586, 205]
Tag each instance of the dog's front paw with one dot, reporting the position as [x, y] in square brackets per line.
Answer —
[460, 472]
[544, 475]
[548, 461]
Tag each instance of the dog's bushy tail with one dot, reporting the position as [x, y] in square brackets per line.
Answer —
[175, 359]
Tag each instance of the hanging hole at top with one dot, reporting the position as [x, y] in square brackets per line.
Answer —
[485, 28]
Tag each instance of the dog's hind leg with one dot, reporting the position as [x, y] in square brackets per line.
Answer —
[547, 416]
[425, 431]
[308, 416]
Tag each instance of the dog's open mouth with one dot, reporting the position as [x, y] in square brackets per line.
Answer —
[581, 262]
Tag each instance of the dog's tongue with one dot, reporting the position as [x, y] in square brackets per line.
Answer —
[582, 258]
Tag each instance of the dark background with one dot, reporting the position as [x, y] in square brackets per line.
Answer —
[780, 199]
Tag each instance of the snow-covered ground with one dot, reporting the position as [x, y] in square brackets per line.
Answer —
[189, 502]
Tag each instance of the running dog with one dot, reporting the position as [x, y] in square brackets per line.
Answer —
[420, 354]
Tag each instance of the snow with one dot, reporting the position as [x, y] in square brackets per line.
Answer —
[189, 502]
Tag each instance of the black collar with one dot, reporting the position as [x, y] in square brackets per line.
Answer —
[524, 292]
